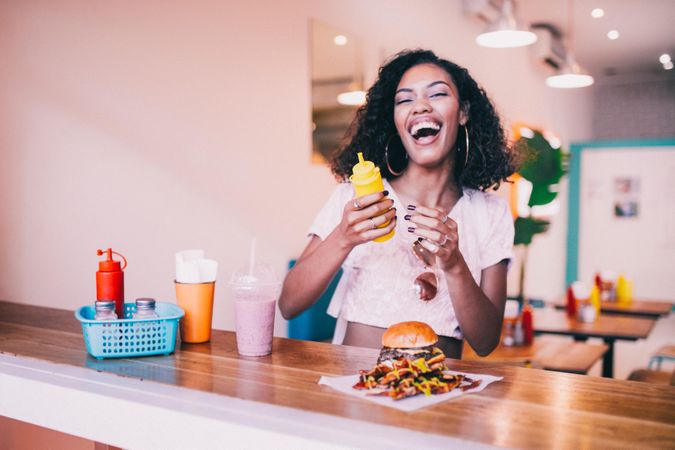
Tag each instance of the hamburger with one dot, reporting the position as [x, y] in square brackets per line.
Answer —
[411, 341]
[409, 364]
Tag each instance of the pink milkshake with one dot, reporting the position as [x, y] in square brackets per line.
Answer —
[254, 324]
[255, 291]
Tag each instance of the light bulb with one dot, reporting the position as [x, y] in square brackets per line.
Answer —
[340, 39]
[597, 13]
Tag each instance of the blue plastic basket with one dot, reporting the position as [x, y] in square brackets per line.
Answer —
[125, 338]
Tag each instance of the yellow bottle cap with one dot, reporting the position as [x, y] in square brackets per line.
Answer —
[364, 171]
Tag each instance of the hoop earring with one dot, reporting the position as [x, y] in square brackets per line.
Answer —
[386, 157]
[466, 149]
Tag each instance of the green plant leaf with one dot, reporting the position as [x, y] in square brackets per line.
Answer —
[543, 167]
[541, 195]
[526, 228]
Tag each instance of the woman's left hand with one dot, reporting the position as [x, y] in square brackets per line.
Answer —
[439, 234]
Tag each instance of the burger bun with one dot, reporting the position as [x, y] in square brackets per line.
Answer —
[409, 335]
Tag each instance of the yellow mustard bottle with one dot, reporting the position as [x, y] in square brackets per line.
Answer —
[366, 179]
[624, 290]
[595, 300]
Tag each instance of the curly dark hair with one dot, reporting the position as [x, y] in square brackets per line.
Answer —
[491, 159]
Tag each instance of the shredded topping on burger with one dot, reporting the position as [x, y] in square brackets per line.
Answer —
[403, 377]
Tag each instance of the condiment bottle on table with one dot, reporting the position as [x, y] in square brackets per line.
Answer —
[528, 325]
[571, 305]
[110, 280]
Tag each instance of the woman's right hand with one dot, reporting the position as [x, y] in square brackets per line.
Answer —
[361, 217]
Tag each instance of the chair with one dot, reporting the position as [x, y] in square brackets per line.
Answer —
[315, 324]
[666, 353]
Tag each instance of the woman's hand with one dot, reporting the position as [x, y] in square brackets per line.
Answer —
[438, 233]
[362, 216]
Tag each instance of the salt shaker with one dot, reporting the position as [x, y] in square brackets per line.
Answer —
[518, 334]
[145, 309]
[587, 312]
[105, 310]
[510, 320]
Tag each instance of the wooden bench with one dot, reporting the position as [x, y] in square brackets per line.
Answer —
[653, 376]
[547, 353]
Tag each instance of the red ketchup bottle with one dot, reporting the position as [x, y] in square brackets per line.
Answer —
[528, 326]
[110, 281]
[571, 305]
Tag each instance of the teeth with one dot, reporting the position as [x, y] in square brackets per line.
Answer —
[419, 125]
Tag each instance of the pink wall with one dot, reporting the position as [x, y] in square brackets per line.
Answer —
[149, 129]
[155, 126]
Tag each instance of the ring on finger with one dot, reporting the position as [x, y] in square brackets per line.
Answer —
[445, 219]
[356, 204]
[374, 224]
[445, 239]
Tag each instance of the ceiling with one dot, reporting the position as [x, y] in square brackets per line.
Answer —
[645, 26]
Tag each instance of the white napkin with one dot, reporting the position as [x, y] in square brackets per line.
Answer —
[344, 385]
[192, 267]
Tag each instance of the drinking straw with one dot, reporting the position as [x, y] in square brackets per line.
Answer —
[251, 260]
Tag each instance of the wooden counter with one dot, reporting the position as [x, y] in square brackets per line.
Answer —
[278, 395]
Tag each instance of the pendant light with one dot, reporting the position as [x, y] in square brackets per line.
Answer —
[570, 75]
[505, 31]
[355, 95]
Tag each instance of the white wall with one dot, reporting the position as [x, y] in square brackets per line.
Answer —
[156, 126]
[603, 243]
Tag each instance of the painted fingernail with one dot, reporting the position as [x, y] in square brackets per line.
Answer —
[407, 217]
[411, 207]
[420, 239]
[411, 229]
[385, 192]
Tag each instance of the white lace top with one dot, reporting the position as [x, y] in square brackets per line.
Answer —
[377, 287]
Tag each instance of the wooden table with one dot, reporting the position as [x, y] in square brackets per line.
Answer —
[547, 353]
[219, 393]
[608, 327]
[643, 308]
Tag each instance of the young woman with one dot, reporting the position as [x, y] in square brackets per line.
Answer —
[439, 144]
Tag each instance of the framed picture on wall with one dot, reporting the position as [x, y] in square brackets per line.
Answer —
[626, 196]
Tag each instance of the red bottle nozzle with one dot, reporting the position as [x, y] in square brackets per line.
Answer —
[110, 264]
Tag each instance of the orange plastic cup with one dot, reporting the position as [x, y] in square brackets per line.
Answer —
[196, 299]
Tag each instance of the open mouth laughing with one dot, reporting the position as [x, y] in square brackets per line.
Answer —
[425, 131]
